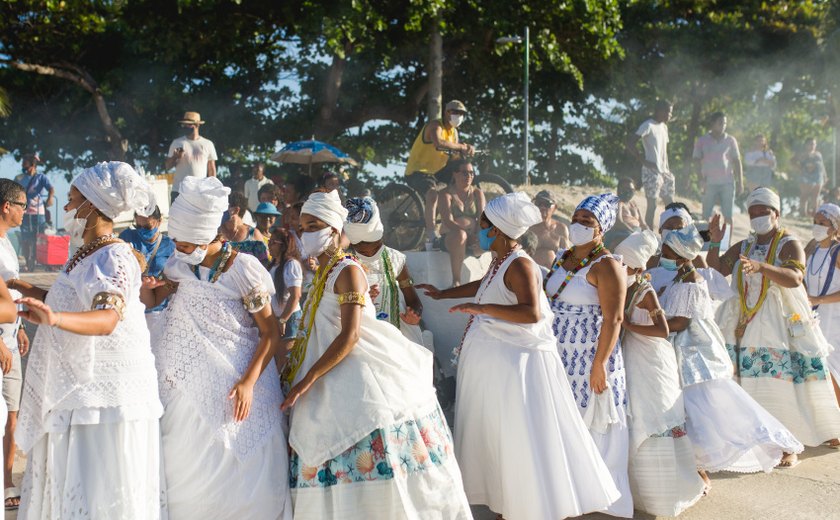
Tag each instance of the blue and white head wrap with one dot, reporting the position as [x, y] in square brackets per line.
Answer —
[686, 242]
[363, 222]
[604, 207]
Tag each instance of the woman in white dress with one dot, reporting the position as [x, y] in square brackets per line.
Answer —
[90, 409]
[586, 287]
[729, 429]
[224, 450]
[520, 440]
[773, 338]
[823, 284]
[663, 474]
[368, 438]
[392, 289]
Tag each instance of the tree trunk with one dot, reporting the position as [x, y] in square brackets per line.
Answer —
[118, 144]
[435, 96]
[332, 90]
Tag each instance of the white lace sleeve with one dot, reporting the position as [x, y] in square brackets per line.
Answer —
[109, 278]
[253, 282]
[689, 300]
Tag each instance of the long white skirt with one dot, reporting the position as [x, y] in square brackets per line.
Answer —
[731, 431]
[203, 479]
[522, 445]
[94, 471]
[663, 476]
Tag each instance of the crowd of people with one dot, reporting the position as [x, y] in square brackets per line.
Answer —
[267, 357]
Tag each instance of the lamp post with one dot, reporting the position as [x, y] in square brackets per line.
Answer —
[526, 40]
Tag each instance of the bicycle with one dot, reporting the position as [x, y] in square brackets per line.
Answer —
[402, 208]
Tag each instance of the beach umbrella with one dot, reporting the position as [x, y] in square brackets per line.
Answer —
[312, 152]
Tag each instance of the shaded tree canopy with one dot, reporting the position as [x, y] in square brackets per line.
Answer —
[89, 80]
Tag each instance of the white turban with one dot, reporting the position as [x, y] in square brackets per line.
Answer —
[363, 223]
[636, 249]
[327, 207]
[513, 214]
[114, 187]
[195, 216]
[764, 197]
[832, 213]
[676, 212]
[686, 242]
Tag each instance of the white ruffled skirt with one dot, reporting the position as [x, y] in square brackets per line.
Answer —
[731, 431]
[523, 448]
[203, 479]
[93, 471]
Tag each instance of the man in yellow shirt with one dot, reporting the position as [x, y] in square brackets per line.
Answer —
[426, 170]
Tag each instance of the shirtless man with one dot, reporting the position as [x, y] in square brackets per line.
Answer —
[552, 234]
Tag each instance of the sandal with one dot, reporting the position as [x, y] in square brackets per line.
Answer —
[11, 494]
[834, 444]
[789, 461]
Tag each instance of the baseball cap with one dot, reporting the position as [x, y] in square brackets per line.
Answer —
[456, 106]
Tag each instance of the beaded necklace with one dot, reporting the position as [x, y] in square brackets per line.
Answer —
[217, 268]
[88, 249]
[812, 261]
[298, 352]
[747, 312]
[685, 275]
[486, 280]
[393, 296]
[569, 274]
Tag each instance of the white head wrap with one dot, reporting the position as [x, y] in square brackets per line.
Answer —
[513, 214]
[764, 197]
[114, 187]
[327, 207]
[636, 249]
[363, 222]
[832, 213]
[676, 212]
[686, 242]
[195, 216]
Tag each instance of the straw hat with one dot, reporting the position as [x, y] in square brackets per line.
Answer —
[191, 118]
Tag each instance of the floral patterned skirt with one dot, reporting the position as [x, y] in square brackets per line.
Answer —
[418, 450]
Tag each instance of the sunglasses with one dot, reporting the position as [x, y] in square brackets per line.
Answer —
[16, 203]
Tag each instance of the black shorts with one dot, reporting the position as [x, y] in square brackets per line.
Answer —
[423, 182]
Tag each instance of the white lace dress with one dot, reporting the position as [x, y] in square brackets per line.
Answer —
[729, 429]
[818, 267]
[90, 408]
[369, 441]
[216, 467]
[787, 374]
[375, 271]
[663, 474]
[522, 445]
[577, 327]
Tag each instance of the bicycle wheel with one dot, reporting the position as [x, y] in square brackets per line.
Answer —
[401, 211]
[492, 185]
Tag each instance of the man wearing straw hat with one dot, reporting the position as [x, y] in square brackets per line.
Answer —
[191, 154]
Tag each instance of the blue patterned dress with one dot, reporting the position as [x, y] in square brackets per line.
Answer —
[577, 327]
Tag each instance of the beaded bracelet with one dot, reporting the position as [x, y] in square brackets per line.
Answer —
[352, 297]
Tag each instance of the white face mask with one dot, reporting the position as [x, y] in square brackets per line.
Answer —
[762, 225]
[631, 279]
[75, 227]
[580, 234]
[456, 120]
[370, 259]
[820, 233]
[194, 258]
[315, 242]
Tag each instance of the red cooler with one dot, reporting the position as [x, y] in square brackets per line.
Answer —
[52, 249]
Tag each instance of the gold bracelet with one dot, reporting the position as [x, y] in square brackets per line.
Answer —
[795, 264]
[352, 297]
[656, 312]
[408, 282]
[105, 301]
